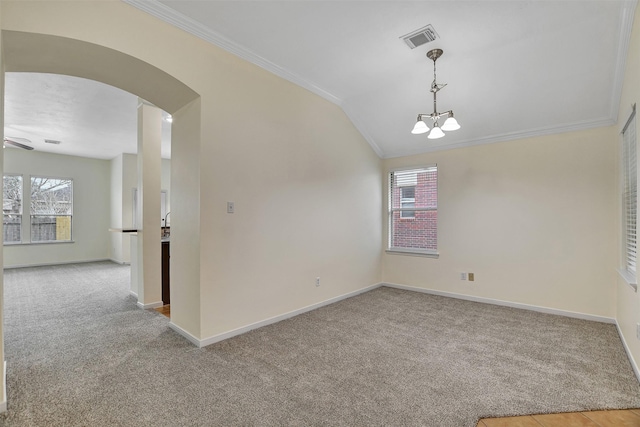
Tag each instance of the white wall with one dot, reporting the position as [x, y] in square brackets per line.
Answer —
[124, 179]
[533, 219]
[115, 246]
[91, 207]
[306, 185]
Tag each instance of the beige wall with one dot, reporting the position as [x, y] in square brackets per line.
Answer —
[91, 207]
[305, 183]
[124, 178]
[533, 219]
[627, 299]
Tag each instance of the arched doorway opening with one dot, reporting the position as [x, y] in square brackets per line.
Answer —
[31, 52]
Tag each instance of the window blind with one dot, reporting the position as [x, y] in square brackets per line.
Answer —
[630, 191]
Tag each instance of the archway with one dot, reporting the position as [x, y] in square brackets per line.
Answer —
[31, 52]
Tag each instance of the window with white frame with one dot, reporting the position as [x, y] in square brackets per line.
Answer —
[413, 210]
[629, 193]
[51, 209]
[12, 209]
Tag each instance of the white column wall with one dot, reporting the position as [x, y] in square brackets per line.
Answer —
[149, 171]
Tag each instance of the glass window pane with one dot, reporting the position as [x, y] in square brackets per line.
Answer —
[51, 196]
[414, 229]
[12, 209]
[51, 209]
[45, 228]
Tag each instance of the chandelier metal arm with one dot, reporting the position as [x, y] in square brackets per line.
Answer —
[451, 123]
[435, 115]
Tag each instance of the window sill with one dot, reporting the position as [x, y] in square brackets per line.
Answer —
[629, 278]
[412, 253]
[53, 242]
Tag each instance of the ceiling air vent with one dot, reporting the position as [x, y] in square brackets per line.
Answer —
[52, 141]
[419, 37]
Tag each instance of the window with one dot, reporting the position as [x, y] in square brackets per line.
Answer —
[413, 210]
[408, 200]
[51, 209]
[12, 209]
[629, 193]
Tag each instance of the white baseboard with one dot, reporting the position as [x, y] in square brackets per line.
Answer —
[235, 332]
[185, 334]
[133, 294]
[539, 309]
[150, 305]
[3, 404]
[634, 365]
[226, 335]
[115, 261]
[56, 263]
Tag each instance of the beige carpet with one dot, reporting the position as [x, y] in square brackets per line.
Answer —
[80, 353]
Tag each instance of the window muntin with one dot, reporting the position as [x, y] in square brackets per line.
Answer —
[630, 193]
[413, 220]
[12, 209]
[51, 209]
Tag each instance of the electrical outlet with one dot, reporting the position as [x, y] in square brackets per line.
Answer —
[317, 281]
[231, 207]
[463, 276]
[471, 277]
[638, 330]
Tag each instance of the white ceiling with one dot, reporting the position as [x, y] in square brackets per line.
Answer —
[89, 118]
[513, 68]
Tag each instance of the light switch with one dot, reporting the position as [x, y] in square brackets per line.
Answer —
[230, 207]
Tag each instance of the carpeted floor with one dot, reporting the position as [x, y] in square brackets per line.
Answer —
[80, 353]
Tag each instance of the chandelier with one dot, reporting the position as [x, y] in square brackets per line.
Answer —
[450, 123]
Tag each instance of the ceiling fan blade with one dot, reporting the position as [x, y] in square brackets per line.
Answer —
[17, 144]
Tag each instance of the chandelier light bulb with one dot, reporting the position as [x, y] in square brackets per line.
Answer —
[435, 133]
[450, 124]
[420, 127]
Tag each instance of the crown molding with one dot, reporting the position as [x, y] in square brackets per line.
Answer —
[170, 16]
[351, 114]
[572, 127]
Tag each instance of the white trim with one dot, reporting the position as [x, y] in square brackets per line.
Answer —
[394, 251]
[115, 261]
[239, 331]
[150, 305]
[539, 309]
[3, 404]
[532, 133]
[634, 365]
[357, 123]
[170, 16]
[133, 294]
[56, 263]
[628, 278]
[195, 341]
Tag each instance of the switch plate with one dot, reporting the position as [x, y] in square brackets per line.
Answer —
[231, 207]
[463, 276]
[471, 277]
[638, 331]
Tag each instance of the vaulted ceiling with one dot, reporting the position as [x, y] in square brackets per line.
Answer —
[513, 68]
